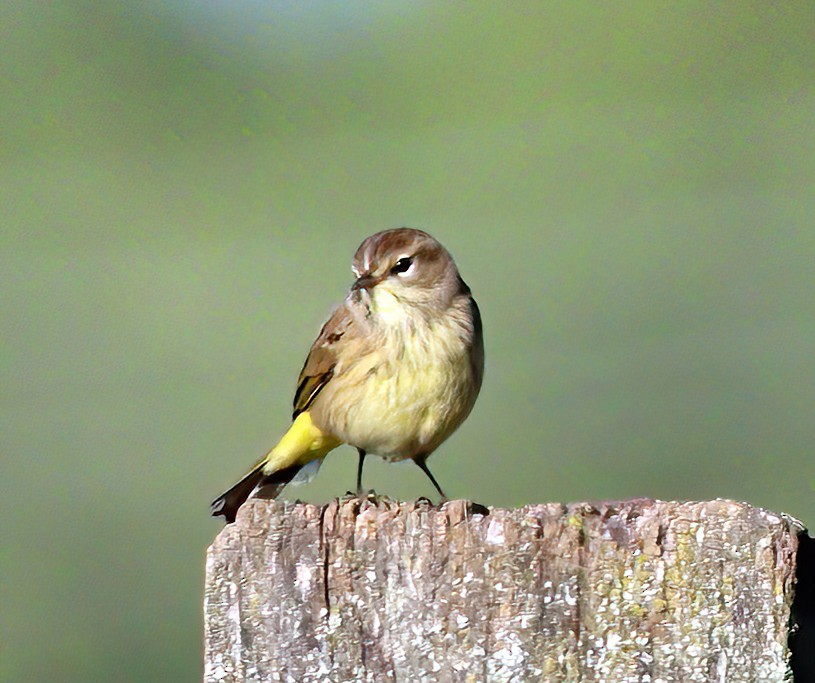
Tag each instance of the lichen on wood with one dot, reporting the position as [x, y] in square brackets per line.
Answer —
[377, 590]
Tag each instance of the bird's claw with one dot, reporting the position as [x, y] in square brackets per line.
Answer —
[477, 508]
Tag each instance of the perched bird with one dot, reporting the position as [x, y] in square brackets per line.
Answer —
[394, 371]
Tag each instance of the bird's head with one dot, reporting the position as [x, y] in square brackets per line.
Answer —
[405, 272]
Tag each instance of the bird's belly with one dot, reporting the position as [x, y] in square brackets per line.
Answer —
[405, 404]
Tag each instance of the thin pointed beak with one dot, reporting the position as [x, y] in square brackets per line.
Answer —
[365, 282]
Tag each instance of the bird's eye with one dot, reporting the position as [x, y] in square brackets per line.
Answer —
[402, 265]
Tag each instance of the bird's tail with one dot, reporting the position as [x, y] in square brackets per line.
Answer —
[302, 447]
[255, 483]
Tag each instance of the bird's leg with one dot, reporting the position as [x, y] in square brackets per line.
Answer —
[421, 461]
[359, 470]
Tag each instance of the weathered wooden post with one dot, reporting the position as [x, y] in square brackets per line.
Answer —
[376, 590]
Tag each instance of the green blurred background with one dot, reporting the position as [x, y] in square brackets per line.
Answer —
[627, 187]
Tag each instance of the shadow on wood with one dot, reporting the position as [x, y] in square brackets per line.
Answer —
[802, 640]
[377, 590]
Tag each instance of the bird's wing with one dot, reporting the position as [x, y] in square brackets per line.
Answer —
[322, 358]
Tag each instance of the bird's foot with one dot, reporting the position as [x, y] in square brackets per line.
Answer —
[370, 494]
[424, 501]
[474, 508]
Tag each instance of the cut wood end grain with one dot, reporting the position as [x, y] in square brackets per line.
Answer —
[370, 589]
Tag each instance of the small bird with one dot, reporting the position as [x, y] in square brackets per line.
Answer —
[394, 371]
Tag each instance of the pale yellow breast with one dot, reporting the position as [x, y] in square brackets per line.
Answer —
[408, 393]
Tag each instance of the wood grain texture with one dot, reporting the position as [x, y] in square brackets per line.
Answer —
[377, 590]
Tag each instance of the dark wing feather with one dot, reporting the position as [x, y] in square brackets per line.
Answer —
[322, 358]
